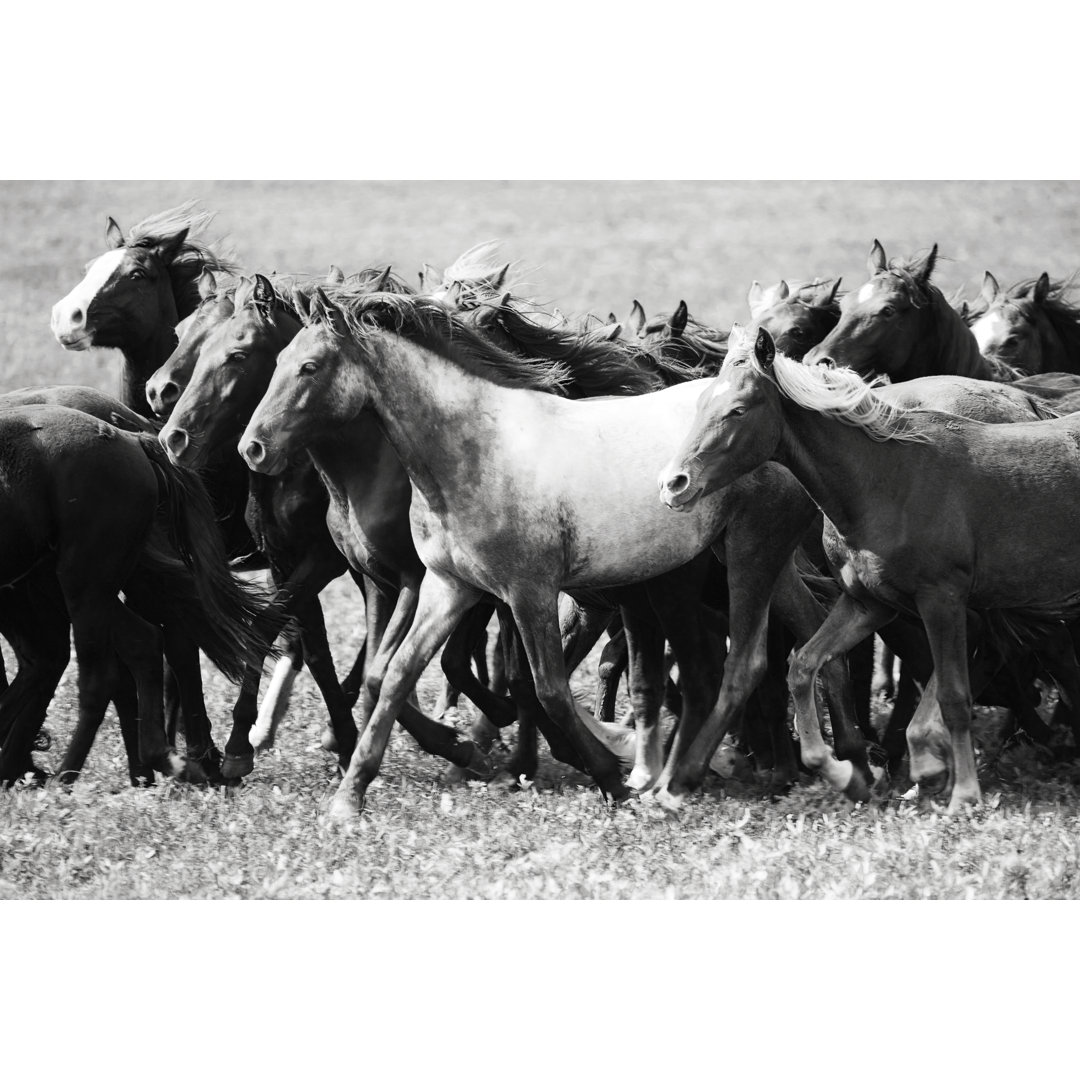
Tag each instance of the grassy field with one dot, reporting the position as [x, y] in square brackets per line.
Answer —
[587, 247]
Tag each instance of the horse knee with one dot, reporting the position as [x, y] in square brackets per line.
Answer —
[801, 673]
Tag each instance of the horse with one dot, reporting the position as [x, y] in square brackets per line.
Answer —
[1031, 326]
[131, 298]
[798, 316]
[307, 542]
[900, 324]
[927, 513]
[514, 495]
[90, 510]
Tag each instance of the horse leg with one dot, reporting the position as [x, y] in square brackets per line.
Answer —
[884, 682]
[846, 625]
[455, 664]
[320, 663]
[905, 702]
[353, 682]
[37, 628]
[645, 650]
[945, 619]
[614, 661]
[440, 604]
[126, 699]
[535, 612]
[795, 604]
[861, 668]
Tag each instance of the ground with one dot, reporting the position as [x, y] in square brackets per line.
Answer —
[586, 247]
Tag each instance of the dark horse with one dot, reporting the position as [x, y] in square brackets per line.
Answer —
[900, 324]
[90, 511]
[927, 513]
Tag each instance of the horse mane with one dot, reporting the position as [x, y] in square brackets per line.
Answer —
[598, 367]
[282, 288]
[706, 347]
[477, 270]
[428, 323]
[837, 392]
[193, 256]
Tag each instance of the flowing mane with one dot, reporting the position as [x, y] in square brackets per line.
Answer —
[837, 392]
[192, 257]
[428, 323]
[479, 274]
[598, 366]
[698, 351]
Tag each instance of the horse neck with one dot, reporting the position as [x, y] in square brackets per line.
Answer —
[840, 467]
[953, 349]
[140, 362]
[358, 465]
[432, 411]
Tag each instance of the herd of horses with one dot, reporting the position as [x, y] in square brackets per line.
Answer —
[876, 461]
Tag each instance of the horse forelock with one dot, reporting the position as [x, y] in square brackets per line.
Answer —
[191, 258]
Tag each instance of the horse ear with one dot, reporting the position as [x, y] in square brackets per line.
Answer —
[677, 322]
[114, 235]
[637, 319]
[334, 275]
[496, 282]
[380, 285]
[963, 310]
[782, 291]
[765, 348]
[1042, 288]
[207, 284]
[452, 299]
[927, 268]
[755, 298]
[990, 288]
[429, 277]
[876, 261]
[612, 317]
[611, 332]
[263, 293]
[169, 249]
[832, 293]
[302, 303]
[736, 337]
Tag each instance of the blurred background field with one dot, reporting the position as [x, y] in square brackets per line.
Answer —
[584, 246]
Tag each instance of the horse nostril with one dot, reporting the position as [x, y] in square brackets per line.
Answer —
[169, 393]
[176, 442]
[77, 317]
[254, 452]
[678, 483]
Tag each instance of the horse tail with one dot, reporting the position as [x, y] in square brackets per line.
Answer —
[197, 589]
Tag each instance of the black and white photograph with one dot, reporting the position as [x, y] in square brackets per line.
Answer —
[561, 539]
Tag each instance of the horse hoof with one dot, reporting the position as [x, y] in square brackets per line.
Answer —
[640, 781]
[479, 766]
[345, 809]
[237, 765]
[194, 773]
[329, 742]
[667, 799]
[858, 790]
[454, 775]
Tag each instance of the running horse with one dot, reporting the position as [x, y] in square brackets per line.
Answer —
[514, 496]
[90, 511]
[927, 513]
[799, 315]
[899, 324]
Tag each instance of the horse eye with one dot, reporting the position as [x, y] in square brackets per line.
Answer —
[887, 312]
[138, 275]
[739, 410]
[308, 367]
[798, 333]
[235, 357]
